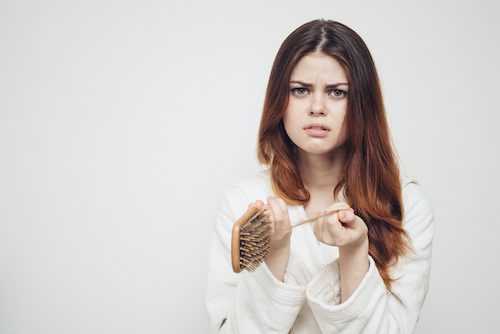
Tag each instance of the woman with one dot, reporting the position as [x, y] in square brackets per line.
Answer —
[325, 138]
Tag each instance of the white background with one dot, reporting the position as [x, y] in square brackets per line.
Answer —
[121, 122]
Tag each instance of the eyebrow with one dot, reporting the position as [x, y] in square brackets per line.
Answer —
[308, 85]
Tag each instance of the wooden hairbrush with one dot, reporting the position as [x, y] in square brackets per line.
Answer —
[250, 240]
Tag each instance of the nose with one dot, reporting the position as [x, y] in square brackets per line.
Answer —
[318, 107]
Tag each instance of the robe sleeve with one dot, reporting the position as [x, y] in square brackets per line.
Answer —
[371, 308]
[246, 302]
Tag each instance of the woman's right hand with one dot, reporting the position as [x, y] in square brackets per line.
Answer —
[279, 251]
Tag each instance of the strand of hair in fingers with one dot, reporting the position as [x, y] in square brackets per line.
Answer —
[311, 220]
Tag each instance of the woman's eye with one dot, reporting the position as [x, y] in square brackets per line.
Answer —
[299, 91]
[338, 93]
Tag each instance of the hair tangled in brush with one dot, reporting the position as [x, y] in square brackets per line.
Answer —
[370, 176]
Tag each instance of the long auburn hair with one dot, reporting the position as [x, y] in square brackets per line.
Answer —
[370, 175]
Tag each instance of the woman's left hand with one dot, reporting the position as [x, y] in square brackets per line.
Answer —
[342, 229]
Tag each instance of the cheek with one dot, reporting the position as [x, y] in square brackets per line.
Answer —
[343, 131]
[286, 121]
[293, 115]
[289, 125]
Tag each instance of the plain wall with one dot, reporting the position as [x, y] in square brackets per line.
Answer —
[121, 122]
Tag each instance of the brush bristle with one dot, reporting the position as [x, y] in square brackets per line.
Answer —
[254, 241]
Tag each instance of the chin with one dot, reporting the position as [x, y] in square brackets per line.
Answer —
[320, 150]
[317, 150]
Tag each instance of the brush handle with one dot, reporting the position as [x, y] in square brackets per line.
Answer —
[326, 213]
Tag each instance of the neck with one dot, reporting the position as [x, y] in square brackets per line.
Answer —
[320, 175]
[320, 171]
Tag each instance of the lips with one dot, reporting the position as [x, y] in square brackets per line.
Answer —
[317, 129]
[317, 126]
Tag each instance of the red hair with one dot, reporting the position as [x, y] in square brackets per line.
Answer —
[370, 175]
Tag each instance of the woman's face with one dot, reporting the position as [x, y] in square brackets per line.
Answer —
[317, 104]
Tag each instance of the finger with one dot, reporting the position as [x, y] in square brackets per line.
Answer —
[349, 208]
[259, 204]
[277, 214]
[251, 205]
[335, 208]
[347, 218]
[284, 212]
[268, 211]
[339, 206]
[332, 225]
[336, 229]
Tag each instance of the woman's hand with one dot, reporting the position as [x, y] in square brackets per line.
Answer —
[279, 251]
[342, 228]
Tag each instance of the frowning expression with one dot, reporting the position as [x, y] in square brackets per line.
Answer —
[317, 104]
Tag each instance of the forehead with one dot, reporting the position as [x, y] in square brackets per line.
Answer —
[318, 66]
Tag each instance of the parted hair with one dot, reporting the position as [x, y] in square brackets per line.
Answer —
[370, 179]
